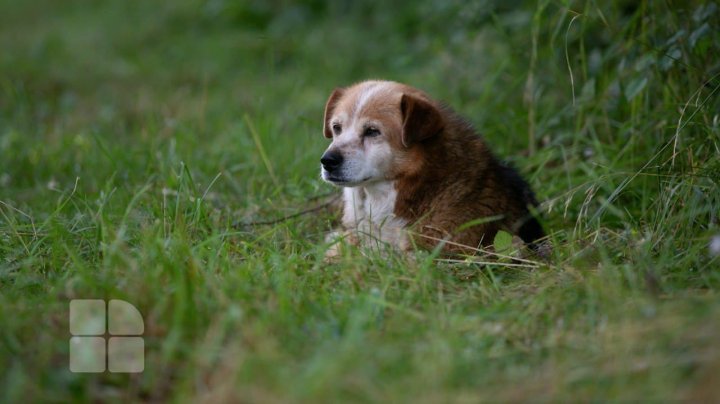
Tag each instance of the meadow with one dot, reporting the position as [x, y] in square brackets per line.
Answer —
[157, 152]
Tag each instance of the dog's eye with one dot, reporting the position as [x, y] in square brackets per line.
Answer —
[371, 132]
[337, 128]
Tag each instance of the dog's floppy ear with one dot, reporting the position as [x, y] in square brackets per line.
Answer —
[421, 120]
[329, 108]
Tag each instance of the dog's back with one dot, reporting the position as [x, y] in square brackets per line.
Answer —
[465, 194]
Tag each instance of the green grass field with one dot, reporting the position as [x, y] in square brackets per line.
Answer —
[138, 139]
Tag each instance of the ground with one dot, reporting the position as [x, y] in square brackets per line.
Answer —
[141, 143]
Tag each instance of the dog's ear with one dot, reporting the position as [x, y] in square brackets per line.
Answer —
[421, 120]
[329, 108]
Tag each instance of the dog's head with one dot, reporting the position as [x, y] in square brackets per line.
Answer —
[374, 127]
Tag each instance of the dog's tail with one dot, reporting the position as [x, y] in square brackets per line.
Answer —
[528, 228]
[530, 232]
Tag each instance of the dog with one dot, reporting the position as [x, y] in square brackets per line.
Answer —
[416, 174]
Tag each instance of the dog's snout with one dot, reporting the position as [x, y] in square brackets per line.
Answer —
[331, 160]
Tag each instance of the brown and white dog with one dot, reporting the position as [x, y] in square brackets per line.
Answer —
[413, 172]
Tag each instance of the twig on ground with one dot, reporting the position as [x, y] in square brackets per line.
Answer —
[291, 216]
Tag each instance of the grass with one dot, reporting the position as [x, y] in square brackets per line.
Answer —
[136, 139]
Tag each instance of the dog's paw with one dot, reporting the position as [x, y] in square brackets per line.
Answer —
[332, 255]
[338, 240]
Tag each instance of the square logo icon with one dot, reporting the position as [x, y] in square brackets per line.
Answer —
[126, 355]
[87, 317]
[87, 354]
[90, 351]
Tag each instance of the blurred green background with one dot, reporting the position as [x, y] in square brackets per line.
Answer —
[137, 136]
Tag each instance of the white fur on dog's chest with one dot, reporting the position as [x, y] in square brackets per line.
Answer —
[370, 211]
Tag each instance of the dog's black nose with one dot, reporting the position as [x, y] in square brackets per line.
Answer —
[331, 160]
